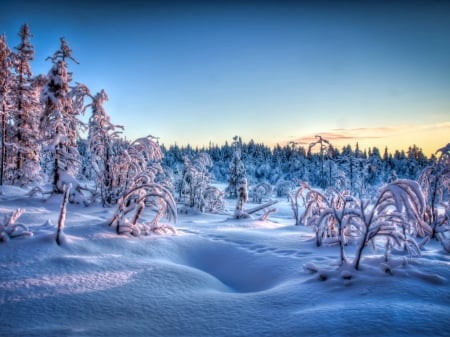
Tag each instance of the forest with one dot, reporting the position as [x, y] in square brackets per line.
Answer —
[46, 145]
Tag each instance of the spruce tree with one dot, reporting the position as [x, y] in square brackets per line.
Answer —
[26, 109]
[59, 123]
[236, 168]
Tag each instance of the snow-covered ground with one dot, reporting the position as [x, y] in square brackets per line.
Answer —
[217, 277]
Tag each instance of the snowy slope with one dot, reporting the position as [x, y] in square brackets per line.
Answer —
[216, 277]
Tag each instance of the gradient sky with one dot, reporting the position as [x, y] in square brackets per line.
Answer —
[376, 72]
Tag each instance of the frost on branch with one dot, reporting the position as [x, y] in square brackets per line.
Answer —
[9, 229]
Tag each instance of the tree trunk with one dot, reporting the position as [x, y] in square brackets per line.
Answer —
[56, 172]
[3, 150]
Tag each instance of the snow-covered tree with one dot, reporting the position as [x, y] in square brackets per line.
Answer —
[213, 200]
[26, 110]
[139, 188]
[435, 183]
[242, 192]
[260, 191]
[6, 80]
[102, 138]
[194, 180]
[325, 152]
[396, 214]
[59, 122]
[236, 169]
[397, 211]
[352, 164]
[328, 214]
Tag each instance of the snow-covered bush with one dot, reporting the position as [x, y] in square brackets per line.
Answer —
[140, 189]
[194, 181]
[283, 188]
[435, 183]
[260, 191]
[293, 199]
[325, 212]
[213, 200]
[144, 193]
[396, 214]
[9, 229]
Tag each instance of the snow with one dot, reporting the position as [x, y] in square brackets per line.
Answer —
[217, 276]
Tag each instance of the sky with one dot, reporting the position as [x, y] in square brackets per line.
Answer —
[200, 72]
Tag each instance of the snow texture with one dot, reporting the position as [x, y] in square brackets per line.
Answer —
[217, 276]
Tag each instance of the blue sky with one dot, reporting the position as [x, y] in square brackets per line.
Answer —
[376, 72]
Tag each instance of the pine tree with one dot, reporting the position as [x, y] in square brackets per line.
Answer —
[237, 168]
[25, 114]
[59, 123]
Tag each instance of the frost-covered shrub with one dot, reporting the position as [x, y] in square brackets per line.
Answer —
[213, 200]
[283, 187]
[141, 188]
[308, 202]
[260, 191]
[435, 183]
[325, 212]
[142, 194]
[194, 181]
[396, 214]
[9, 229]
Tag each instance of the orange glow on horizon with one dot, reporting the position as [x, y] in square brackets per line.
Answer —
[428, 137]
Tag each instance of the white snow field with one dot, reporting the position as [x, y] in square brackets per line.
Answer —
[216, 277]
